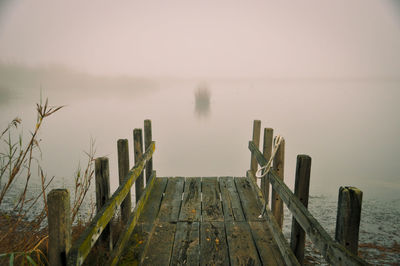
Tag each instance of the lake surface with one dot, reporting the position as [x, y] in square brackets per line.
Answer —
[350, 129]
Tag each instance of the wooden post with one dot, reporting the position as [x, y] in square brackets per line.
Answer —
[348, 218]
[59, 222]
[267, 150]
[256, 140]
[301, 191]
[147, 141]
[276, 201]
[102, 175]
[138, 151]
[123, 169]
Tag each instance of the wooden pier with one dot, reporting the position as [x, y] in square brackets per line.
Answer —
[203, 220]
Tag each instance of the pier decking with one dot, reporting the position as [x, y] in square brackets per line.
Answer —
[202, 221]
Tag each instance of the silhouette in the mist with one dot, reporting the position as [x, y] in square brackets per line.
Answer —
[202, 101]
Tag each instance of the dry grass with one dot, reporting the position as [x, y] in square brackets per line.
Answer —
[24, 240]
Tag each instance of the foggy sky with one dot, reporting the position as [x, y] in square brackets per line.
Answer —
[228, 38]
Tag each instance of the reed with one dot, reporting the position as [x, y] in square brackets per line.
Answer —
[23, 238]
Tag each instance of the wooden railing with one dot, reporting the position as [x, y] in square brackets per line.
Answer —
[303, 221]
[60, 250]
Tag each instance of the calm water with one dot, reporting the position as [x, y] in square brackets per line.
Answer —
[349, 128]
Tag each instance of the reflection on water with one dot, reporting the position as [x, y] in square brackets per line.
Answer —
[338, 123]
[202, 101]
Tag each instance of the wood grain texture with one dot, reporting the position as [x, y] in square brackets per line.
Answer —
[256, 140]
[266, 245]
[242, 250]
[267, 151]
[59, 226]
[134, 249]
[211, 205]
[138, 154]
[213, 246]
[159, 247]
[301, 191]
[348, 218]
[191, 203]
[276, 201]
[123, 169]
[152, 208]
[251, 207]
[230, 200]
[102, 176]
[148, 138]
[172, 199]
[132, 222]
[186, 249]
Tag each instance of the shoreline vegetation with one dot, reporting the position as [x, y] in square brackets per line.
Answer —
[23, 236]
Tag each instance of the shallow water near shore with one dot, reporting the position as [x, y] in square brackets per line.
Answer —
[350, 128]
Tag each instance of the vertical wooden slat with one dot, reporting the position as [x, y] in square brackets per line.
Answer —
[102, 176]
[123, 169]
[59, 224]
[256, 140]
[138, 151]
[267, 150]
[301, 191]
[348, 218]
[147, 141]
[276, 201]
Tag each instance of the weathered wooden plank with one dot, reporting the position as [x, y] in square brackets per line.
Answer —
[251, 207]
[301, 191]
[138, 239]
[152, 207]
[82, 246]
[333, 252]
[230, 200]
[191, 203]
[134, 249]
[102, 175]
[138, 153]
[158, 249]
[171, 202]
[211, 204]
[348, 218]
[147, 141]
[267, 248]
[284, 248]
[256, 140]
[132, 221]
[186, 249]
[123, 169]
[59, 221]
[242, 250]
[278, 165]
[213, 246]
[267, 151]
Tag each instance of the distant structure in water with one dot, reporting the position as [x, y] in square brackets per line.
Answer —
[202, 100]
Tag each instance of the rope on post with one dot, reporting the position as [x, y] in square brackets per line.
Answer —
[263, 171]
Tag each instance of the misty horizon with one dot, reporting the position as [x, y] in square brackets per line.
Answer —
[187, 39]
